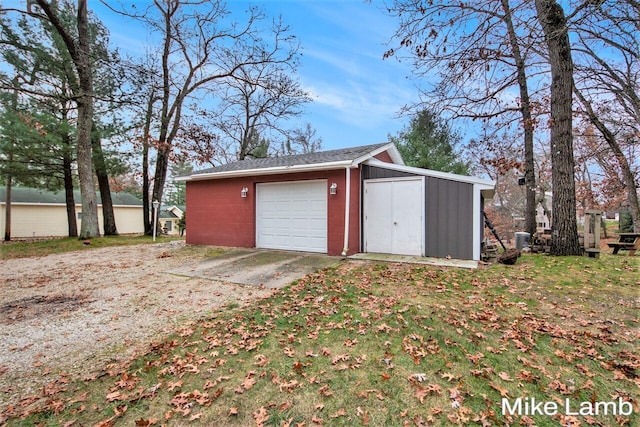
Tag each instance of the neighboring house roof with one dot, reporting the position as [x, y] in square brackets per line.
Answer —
[25, 195]
[173, 212]
[323, 160]
[163, 214]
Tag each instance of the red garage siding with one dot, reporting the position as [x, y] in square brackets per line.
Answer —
[219, 216]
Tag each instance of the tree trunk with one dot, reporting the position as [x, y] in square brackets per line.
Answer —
[146, 216]
[164, 139]
[146, 219]
[7, 206]
[12, 142]
[108, 217]
[525, 111]
[564, 235]
[80, 51]
[68, 187]
[162, 165]
[89, 227]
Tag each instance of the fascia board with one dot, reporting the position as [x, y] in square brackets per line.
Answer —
[268, 171]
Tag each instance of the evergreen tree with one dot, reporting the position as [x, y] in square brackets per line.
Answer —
[430, 143]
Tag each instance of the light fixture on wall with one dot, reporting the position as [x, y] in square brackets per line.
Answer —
[244, 191]
[333, 189]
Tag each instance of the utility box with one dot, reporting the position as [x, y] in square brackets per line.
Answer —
[522, 240]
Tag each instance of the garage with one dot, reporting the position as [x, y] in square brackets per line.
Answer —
[292, 215]
[394, 212]
[338, 202]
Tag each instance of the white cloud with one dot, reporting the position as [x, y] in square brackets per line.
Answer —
[360, 104]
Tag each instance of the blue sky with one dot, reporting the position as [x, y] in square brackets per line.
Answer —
[356, 93]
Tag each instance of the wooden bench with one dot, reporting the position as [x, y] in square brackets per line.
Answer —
[626, 242]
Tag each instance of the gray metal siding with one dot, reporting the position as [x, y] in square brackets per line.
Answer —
[372, 172]
[449, 219]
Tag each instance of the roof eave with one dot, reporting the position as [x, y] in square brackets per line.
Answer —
[390, 147]
[62, 204]
[269, 171]
[483, 184]
[488, 193]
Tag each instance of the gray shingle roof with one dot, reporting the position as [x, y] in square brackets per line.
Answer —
[34, 195]
[343, 154]
[164, 214]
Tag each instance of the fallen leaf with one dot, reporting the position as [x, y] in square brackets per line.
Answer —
[171, 386]
[145, 423]
[113, 396]
[449, 376]
[261, 416]
[364, 416]
[106, 423]
[120, 410]
[503, 391]
[434, 389]
[261, 360]
[505, 376]
[421, 393]
[420, 377]
[339, 413]
[285, 406]
[248, 383]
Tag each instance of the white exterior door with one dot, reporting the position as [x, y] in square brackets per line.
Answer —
[292, 216]
[394, 216]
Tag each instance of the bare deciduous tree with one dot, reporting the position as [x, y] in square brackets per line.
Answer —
[607, 83]
[476, 65]
[255, 102]
[201, 47]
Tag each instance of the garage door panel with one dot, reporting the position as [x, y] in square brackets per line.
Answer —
[394, 216]
[379, 216]
[292, 216]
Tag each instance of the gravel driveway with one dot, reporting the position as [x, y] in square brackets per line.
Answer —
[76, 311]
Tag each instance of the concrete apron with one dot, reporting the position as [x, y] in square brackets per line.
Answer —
[258, 267]
[441, 262]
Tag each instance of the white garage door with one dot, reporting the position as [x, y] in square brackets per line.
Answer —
[394, 216]
[292, 216]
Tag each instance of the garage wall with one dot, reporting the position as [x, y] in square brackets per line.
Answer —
[46, 220]
[219, 216]
[383, 157]
[37, 221]
[372, 172]
[128, 219]
[449, 228]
